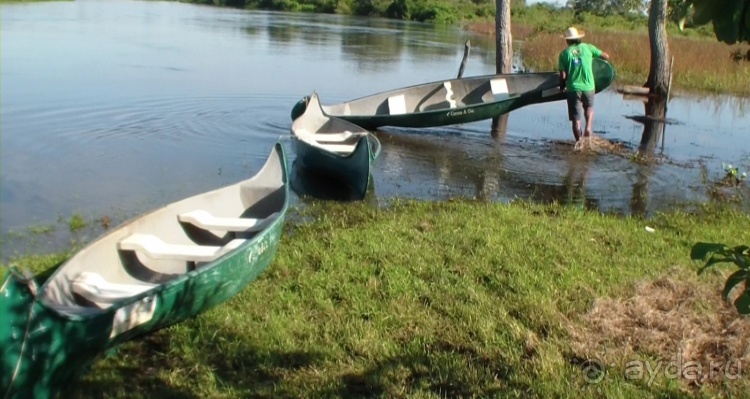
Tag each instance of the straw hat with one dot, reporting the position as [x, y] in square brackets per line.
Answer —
[572, 33]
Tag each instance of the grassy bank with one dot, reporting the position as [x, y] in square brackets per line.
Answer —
[453, 299]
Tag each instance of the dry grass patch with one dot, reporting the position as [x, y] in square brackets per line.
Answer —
[699, 64]
[667, 320]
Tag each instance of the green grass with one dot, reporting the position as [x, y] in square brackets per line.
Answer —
[421, 300]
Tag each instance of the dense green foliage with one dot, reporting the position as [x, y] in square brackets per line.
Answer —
[434, 11]
[730, 18]
[608, 7]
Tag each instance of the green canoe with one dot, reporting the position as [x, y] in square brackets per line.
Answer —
[151, 272]
[334, 147]
[455, 101]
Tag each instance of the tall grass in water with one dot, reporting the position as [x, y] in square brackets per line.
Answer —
[699, 64]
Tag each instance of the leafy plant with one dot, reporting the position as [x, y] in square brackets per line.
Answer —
[714, 253]
[730, 18]
[733, 176]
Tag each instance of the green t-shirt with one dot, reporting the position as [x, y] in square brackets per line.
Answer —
[576, 60]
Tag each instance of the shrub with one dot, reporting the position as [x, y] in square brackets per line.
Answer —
[720, 253]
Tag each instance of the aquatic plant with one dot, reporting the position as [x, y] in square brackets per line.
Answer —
[720, 253]
[732, 176]
[76, 222]
[37, 230]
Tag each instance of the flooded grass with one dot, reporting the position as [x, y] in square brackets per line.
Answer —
[77, 222]
[599, 145]
[46, 229]
[454, 298]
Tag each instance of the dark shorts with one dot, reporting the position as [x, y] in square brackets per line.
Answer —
[575, 100]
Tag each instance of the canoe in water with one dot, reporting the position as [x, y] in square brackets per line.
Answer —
[333, 147]
[455, 101]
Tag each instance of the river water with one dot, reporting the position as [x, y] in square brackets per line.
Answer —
[111, 108]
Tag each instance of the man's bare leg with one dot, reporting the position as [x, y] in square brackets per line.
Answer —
[576, 126]
[589, 122]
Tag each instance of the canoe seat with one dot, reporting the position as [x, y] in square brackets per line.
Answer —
[334, 137]
[95, 288]
[339, 148]
[449, 94]
[551, 92]
[205, 220]
[499, 88]
[158, 249]
[397, 105]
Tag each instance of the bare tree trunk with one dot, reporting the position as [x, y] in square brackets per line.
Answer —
[658, 75]
[504, 42]
[503, 56]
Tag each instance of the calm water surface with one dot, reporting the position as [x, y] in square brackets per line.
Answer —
[111, 108]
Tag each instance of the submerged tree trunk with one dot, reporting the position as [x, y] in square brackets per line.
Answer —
[503, 55]
[658, 75]
[653, 126]
[653, 130]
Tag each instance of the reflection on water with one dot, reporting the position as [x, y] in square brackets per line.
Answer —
[654, 125]
[311, 186]
[493, 170]
[132, 105]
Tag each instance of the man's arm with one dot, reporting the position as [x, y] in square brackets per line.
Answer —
[563, 77]
[561, 65]
[598, 53]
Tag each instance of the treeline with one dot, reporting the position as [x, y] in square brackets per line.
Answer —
[434, 11]
[608, 14]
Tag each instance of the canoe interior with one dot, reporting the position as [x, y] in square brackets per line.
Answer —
[330, 134]
[259, 197]
[462, 93]
[455, 93]
[333, 148]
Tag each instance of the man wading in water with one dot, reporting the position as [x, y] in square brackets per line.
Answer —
[577, 79]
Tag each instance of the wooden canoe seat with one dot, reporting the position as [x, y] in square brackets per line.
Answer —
[158, 249]
[207, 221]
[95, 288]
[397, 105]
